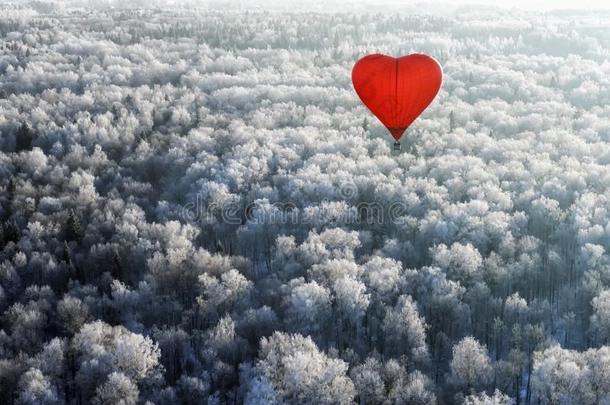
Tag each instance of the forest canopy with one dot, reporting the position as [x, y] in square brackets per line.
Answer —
[195, 207]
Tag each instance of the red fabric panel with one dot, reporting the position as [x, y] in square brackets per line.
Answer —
[397, 90]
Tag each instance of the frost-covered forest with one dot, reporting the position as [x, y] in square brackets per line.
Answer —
[196, 208]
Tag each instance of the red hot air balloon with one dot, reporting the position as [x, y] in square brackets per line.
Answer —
[397, 90]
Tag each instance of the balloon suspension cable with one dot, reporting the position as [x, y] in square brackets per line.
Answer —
[397, 145]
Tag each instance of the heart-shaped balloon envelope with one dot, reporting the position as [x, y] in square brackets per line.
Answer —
[397, 90]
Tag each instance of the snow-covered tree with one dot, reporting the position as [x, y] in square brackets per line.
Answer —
[470, 365]
[299, 372]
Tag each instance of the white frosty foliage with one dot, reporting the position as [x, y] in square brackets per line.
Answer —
[195, 206]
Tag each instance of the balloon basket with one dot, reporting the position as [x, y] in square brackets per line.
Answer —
[397, 146]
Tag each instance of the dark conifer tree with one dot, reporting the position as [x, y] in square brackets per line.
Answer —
[23, 138]
[11, 232]
[72, 229]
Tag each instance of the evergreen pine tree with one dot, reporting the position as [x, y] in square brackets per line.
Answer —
[72, 228]
[365, 124]
[23, 138]
[116, 269]
[8, 201]
[11, 232]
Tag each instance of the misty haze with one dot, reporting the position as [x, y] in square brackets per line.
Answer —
[196, 206]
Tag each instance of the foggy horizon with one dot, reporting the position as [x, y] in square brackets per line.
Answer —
[383, 6]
